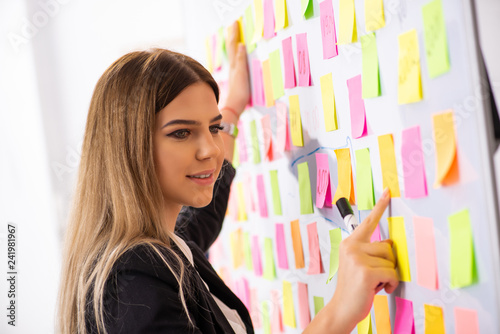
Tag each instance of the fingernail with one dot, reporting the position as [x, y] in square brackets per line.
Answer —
[386, 192]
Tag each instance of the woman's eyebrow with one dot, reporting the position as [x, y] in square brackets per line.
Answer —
[190, 122]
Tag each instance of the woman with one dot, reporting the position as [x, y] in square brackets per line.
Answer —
[133, 260]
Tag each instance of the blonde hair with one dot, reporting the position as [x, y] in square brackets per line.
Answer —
[118, 203]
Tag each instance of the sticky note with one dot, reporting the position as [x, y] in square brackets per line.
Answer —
[236, 154]
[255, 142]
[413, 163]
[447, 171]
[276, 192]
[328, 99]
[236, 242]
[345, 182]
[266, 319]
[297, 244]
[259, 21]
[388, 164]
[269, 19]
[376, 234]
[276, 318]
[242, 148]
[306, 204]
[328, 33]
[288, 306]
[276, 75]
[242, 212]
[434, 321]
[409, 81]
[268, 135]
[466, 321]
[435, 40]
[304, 313]
[365, 325]
[261, 191]
[348, 32]
[282, 130]
[323, 188]
[306, 8]
[217, 59]
[370, 73]
[268, 83]
[335, 240]
[319, 303]
[242, 32]
[462, 258]
[247, 251]
[254, 308]
[425, 252]
[247, 186]
[295, 121]
[364, 180]
[281, 15]
[256, 256]
[249, 29]
[281, 246]
[404, 322]
[357, 107]
[374, 15]
[245, 291]
[288, 63]
[303, 60]
[269, 268]
[397, 233]
[382, 318]
[315, 262]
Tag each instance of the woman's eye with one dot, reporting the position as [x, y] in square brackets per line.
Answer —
[216, 128]
[179, 134]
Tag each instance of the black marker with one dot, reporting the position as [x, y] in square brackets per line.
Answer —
[347, 213]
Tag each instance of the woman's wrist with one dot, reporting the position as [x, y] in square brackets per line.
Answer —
[229, 115]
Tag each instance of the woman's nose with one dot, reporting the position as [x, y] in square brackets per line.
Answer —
[208, 147]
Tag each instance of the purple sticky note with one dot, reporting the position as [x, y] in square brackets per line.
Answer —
[269, 19]
[241, 142]
[404, 323]
[281, 246]
[256, 258]
[323, 188]
[258, 97]
[328, 33]
[357, 106]
[262, 196]
[288, 63]
[413, 163]
[303, 60]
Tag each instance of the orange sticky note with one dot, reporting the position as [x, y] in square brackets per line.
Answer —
[297, 245]
[382, 317]
[434, 321]
[268, 83]
[295, 121]
[388, 164]
[304, 313]
[345, 180]
[236, 240]
[446, 149]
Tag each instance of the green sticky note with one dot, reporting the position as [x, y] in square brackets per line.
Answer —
[249, 29]
[276, 192]
[255, 142]
[307, 8]
[266, 319]
[319, 303]
[276, 74]
[269, 268]
[364, 180]
[462, 258]
[236, 155]
[247, 250]
[370, 78]
[306, 203]
[436, 43]
[335, 239]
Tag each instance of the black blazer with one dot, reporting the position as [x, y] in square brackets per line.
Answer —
[142, 294]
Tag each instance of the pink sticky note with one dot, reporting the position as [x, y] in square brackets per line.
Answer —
[413, 163]
[466, 321]
[249, 195]
[328, 30]
[281, 247]
[315, 263]
[357, 106]
[276, 318]
[303, 60]
[288, 62]
[268, 135]
[258, 97]
[323, 188]
[262, 196]
[304, 313]
[282, 131]
[376, 234]
[404, 323]
[245, 291]
[242, 143]
[254, 308]
[269, 19]
[256, 258]
[425, 247]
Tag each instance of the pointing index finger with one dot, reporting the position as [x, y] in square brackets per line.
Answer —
[366, 228]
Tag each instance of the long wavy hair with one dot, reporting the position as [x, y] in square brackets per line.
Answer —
[118, 203]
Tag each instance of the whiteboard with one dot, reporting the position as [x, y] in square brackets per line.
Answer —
[460, 89]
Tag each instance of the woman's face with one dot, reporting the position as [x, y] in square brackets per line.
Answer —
[188, 148]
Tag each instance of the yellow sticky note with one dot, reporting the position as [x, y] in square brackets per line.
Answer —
[374, 15]
[269, 267]
[344, 171]
[443, 125]
[242, 212]
[242, 32]
[295, 120]
[382, 317]
[288, 306]
[328, 99]
[280, 15]
[247, 251]
[462, 257]
[259, 21]
[268, 83]
[347, 25]
[397, 233]
[409, 80]
[388, 164]
[365, 325]
[434, 321]
[236, 239]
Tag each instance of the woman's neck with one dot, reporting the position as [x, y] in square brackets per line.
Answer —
[171, 213]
